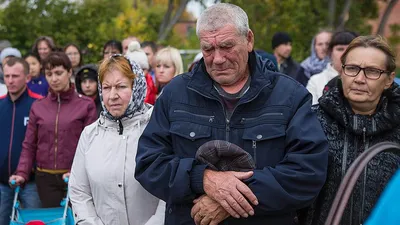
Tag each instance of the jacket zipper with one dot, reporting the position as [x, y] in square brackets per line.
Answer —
[263, 115]
[210, 118]
[345, 152]
[56, 132]
[366, 145]
[355, 126]
[11, 140]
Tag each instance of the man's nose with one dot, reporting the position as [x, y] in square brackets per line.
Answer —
[219, 57]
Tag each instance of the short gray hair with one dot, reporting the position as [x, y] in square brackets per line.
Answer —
[221, 14]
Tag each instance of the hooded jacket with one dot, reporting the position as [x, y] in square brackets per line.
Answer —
[55, 124]
[103, 190]
[349, 135]
[14, 117]
[78, 85]
[273, 122]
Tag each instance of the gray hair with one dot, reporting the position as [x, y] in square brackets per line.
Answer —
[221, 14]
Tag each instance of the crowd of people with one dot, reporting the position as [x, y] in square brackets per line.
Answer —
[243, 137]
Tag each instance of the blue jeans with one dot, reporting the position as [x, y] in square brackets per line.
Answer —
[28, 197]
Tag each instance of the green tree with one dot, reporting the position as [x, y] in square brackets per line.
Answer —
[90, 23]
[303, 19]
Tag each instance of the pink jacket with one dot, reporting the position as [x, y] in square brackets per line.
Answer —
[55, 125]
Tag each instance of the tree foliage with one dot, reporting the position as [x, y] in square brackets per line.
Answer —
[302, 20]
[87, 23]
[90, 23]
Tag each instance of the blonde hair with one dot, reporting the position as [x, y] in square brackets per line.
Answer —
[119, 63]
[170, 54]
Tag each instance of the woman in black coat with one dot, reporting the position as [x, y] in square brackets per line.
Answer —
[361, 110]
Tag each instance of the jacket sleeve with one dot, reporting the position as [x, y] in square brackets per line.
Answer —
[158, 169]
[79, 188]
[295, 182]
[92, 114]
[159, 216]
[29, 146]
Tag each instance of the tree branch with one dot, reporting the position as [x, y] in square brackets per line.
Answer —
[167, 17]
[174, 20]
[332, 12]
[344, 16]
[385, 17]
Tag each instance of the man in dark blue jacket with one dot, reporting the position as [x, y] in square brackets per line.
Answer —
[231, 95]
[14, 115]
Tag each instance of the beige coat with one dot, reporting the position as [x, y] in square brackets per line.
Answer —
[102, 187]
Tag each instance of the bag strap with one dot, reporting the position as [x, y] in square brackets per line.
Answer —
[351, 177]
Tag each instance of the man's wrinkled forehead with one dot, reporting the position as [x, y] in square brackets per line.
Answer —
[223, 36]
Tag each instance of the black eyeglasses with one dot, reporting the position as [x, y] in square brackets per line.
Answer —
[369, 72]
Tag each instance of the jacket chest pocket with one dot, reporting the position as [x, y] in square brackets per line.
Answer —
[266, 143]
[187, 137]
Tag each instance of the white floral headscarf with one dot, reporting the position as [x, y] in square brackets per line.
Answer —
[139, 89]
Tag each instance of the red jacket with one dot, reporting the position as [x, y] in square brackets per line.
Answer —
[151, 93]
[54, 127]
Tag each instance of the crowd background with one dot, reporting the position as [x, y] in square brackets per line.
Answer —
[89, 24]
[85, 33]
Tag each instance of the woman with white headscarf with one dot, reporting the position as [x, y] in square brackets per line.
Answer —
[103, 190]
[318, 60]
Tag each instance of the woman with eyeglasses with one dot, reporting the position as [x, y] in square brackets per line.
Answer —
[102, 187]
[363, 109]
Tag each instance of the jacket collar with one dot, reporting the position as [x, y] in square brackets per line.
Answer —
[201, 82]
[139, 118]
[65, 96]
[386, 117]
[24, 95]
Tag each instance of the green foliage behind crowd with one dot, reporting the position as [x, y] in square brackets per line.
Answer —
[302, 20]
[87, 23]
[90, 23]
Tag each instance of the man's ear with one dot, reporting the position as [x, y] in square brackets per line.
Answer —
[250, 40]
[28, 78]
